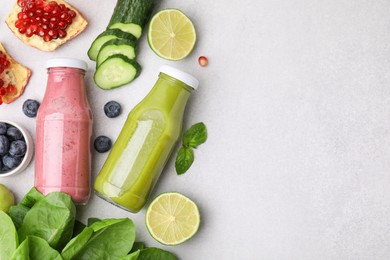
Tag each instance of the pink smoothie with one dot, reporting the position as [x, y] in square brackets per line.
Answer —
[63, 136]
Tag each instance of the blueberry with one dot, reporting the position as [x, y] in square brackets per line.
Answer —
[18, 148]
[112, 109]
[4, 144]
[3, 128]
[102, 144]
[14, 134]
[11, 162]
[30, 107]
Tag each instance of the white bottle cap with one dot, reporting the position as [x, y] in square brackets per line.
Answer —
[180, 75]
[67, 62]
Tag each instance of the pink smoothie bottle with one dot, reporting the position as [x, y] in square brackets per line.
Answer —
[64, 132]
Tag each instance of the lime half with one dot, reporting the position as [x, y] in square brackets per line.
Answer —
[171, 34]
[172, 218]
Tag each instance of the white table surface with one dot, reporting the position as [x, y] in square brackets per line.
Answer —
[296, 99]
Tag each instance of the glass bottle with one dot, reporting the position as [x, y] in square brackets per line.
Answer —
[64, 132]
[146, 141]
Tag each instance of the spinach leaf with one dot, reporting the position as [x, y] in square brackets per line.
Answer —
[132, 256]
[52, 218]
[137, 245]
[32, 197]
[35, 248]
[153, 253]
[77, 228]
[8, 237]
[195, 135]
[111, 239]
[17, 214]
[76, 244]
[92, 220]
[184, 160]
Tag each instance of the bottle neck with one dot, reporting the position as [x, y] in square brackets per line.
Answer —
[169, 93]
[66, 83]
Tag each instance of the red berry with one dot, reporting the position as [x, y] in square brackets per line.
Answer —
[203, 61]
[11, 90]
[3, 91]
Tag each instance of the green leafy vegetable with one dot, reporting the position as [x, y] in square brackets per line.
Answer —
[35, 248]
[77, 244]
[195, 135]
[17, 214]
[111, 239]
[153, 253]
[52, 218]
[78, 228]
[8, 237]
[184, 160]
[132, 256]
[137, 245]
[92, 220]
[192, 138]
[32, 197]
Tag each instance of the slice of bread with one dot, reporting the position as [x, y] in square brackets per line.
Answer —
[78, 25]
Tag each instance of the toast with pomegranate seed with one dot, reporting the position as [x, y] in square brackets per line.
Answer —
[13, 77]
[44, 24]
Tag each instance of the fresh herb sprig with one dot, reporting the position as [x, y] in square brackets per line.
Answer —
[192, 138]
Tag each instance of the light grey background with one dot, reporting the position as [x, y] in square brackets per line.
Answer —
[296, 98]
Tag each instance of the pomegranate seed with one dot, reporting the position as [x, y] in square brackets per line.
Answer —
[39, 12]
[11, 90]
[203, 61]
[45, 20]
[21, 3]
[24, 16]
[1, 101]
[20, 15]
[3, 91]
[29, 32]
[62, 25]
[34, 28]
[56, 11]
[61, 33]
[53, 34]
[64, 16]
[41, 32]
[1, 69]
[48, 8]
[47, 38]
[54, 19]
[53, 25]
[1, 83]
[22, 30]
[18, 23]
[72, 13]
[45, 27]
[30, 14]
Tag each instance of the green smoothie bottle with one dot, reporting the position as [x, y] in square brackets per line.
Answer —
[146, 141]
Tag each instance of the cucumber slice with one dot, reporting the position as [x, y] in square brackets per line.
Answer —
[116, 46]
[132, 28]
[105, 37]
[116, 71]
[131, 15]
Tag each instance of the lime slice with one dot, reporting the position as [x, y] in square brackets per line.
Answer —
[171, 34]
[172, 218]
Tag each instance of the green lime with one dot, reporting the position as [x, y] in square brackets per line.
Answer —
[171, 34]
[172, 218]
[6, 198]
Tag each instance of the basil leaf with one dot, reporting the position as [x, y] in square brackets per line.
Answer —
[8, 236]
[195, 135]
[184, 160]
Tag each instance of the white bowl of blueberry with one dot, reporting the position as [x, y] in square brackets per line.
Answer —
[16, 148]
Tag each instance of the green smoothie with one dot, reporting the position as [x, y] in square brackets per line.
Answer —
[146, 141]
